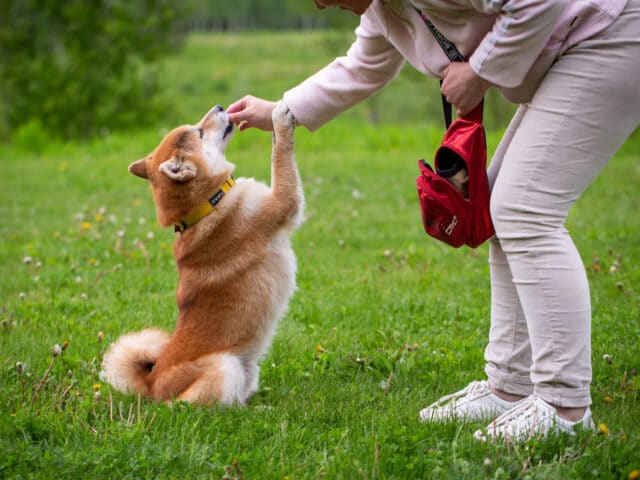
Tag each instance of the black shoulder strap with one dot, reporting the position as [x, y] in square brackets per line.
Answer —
[448, 48]
[452, 54]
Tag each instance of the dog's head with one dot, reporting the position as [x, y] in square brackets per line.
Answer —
[187, 165]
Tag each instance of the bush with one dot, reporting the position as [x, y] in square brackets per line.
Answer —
[79, 67]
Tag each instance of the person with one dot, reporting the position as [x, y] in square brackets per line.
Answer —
[573, 67]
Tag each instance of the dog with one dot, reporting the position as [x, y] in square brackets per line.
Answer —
[235, 264]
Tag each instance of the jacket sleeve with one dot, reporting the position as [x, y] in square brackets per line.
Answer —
[520, 33]
[370, 63]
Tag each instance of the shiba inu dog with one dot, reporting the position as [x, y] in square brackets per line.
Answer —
[235, 264]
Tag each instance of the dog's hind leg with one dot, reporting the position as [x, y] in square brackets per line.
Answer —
[222, 379]
[252, 370]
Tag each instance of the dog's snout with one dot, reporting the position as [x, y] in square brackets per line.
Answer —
[218, 108]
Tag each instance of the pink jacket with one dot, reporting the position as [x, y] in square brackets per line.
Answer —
[511, 43]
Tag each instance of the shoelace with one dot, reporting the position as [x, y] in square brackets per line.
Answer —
[521, 412]
[474, 386]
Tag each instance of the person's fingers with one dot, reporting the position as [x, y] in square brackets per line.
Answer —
[239, 105]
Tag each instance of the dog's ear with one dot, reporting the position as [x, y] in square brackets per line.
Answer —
[139, 168]
[178, 169]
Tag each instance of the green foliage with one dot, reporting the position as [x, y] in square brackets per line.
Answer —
[384, 321]
[266, 14]
[81, 67]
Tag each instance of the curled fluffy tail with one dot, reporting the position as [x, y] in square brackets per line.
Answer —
[129, 360]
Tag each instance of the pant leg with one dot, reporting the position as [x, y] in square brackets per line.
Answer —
[587, 105]
[508, 353]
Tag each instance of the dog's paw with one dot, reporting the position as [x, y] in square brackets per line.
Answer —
[283, 119]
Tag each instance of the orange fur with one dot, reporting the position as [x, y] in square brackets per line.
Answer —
[236, 267]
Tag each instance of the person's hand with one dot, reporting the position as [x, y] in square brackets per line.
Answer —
[251, 111]
[462, 87]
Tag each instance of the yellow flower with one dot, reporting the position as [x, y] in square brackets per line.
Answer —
[137, 201]
[608, 399]
[96, 386]
[86, 225]
[319, 348]
[98, 217]
[634, 474]
[602, 428]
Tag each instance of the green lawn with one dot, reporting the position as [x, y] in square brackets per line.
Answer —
[385, 319]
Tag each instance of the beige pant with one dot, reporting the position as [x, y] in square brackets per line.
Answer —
[586, 106]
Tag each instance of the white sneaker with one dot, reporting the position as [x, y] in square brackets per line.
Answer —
[532, 418]
[475, 402]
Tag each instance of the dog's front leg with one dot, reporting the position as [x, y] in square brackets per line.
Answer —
[285, 180]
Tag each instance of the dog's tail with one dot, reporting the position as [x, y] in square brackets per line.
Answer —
[131, 358]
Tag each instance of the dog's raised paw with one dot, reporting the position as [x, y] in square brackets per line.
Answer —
[282, 117]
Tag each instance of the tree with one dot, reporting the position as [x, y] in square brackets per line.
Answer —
[77, 67]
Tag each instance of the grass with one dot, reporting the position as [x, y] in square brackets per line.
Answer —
[385, 319]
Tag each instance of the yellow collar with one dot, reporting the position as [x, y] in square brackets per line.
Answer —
[206, 208]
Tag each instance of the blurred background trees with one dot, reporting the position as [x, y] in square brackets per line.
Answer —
[75, 67]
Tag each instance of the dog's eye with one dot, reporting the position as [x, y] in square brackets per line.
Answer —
[201, 132]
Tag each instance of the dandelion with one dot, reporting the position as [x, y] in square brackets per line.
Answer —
[97, 386]
[93, 262]
[356, 194]
[22, 295]
[20, 368]
[27, 260]
[84, 296]
[98, 217]
[100, 337]
[85, 225]
[65, 345]
[113, 218]
[56, 350]
[634, 474]
[608, 399]
[78, 279]
[120, 233]
[319, 348]
[608, 358]
[137, 202]
[149, 235]
[97, 395]
[142, 220]
[603, 429]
